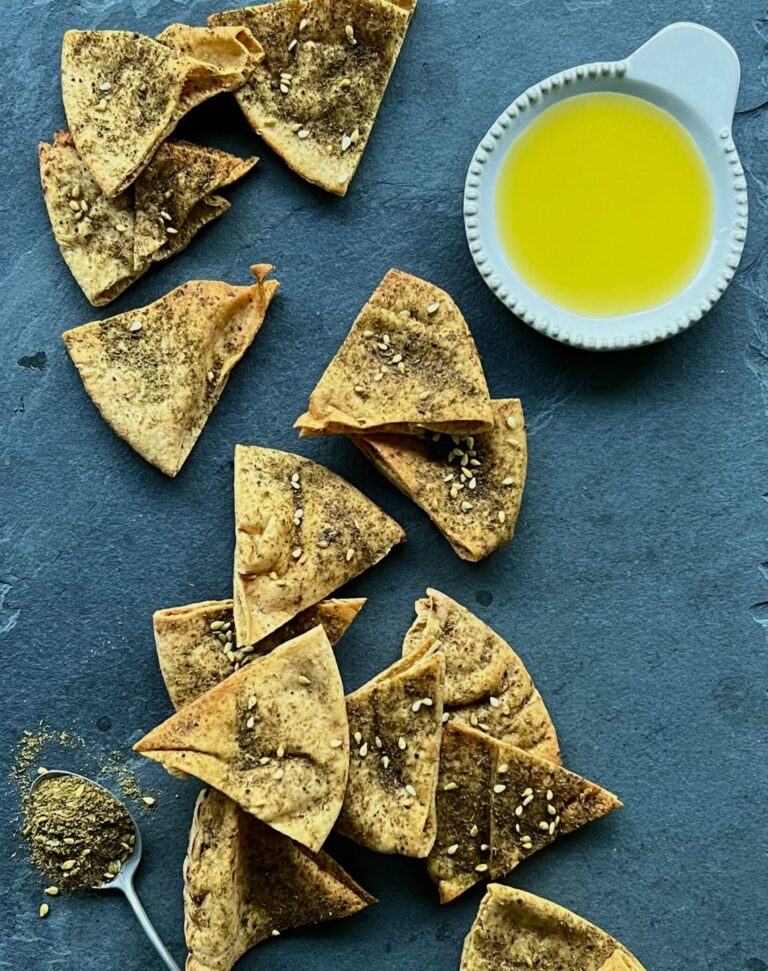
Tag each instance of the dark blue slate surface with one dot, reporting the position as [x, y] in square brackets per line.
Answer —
[633, 588]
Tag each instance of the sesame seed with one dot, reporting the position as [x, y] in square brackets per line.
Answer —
[44, 910]
[358, 737]
[494, 702]
[349, 554]
[452, 849]
[424, 395]
[251, 702]
[410, 790]
[528, 800]
[291, 46]
[344, 83]
[474, 831]
[552, 828]
[51, 891]
[303, 133]
[278, 774]
[284, 88]
[518, 810]
[402, 744]
[303, 24]
[303, 679]
[551, 810]
[336, 743]
[378, 742]
[427, 702]
[481, 868]
[466, 506]
[501, 515]
[484, 847]
[275, 933]
[473, 720]
[527, 792]
[363, 750]
[473, 483]
[343, 178]
[415, 706]
[450, 786]
[101, 106]
[401, 367]
[346, 142]
[512, 421]
[68, 865]
[135, 326]
[74, 206]
[105, 86]
[550, 795]
[148, 800]
[433, 308]
[171, 231]
[502, 769]
[251, 722]
[165, 215]
[385, 761]
[508, 481]
[280, 751]
[499, 788]
[296, 553]
[544, 825]
[446, 716]
[264, 760]
[211, 377]
[349, 30]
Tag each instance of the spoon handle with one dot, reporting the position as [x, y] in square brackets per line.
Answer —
[149, 930]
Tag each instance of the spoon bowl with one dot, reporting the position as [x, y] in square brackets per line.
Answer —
[123, 879]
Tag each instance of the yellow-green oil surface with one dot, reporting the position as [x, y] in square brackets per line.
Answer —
[604, 205]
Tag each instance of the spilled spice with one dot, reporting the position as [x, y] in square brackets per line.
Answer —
[79, 834]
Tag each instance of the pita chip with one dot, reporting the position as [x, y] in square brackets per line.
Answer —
[517, 929]
[273, 737]
[471, 487]
[526, 804]
[301, 532]
[156, 373]
[124, 92]
[109, 243]
[315, 96]
[244, 883]
[196, 645]
[395, 724]
[409, 364]
[487, 685]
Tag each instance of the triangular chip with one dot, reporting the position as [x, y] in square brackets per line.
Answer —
[486, 684]
[515, 929]
[244, 883]
[124, 92]
[471, 487]
[526, 803]
[409, 364]
[395, 724]
[156, 373]
[196, 645]
[315, 96]
[110, 243]
[273, 737]
[301, 532]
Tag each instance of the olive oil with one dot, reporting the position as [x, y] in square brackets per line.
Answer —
[604, 205]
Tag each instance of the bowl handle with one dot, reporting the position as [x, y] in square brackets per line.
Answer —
[694, 63]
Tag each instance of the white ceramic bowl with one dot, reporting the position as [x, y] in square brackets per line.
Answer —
[691, 72]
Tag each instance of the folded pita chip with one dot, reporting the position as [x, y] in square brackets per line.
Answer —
[515, 929]
[301, 532]
[273, 737]
[244, 883]
[196, 646]
[156, 373]
[315, 96]
[486, 684]
[124, 93]
[109, 243]
[409, 364]
[471, 487]
[525, 802]
[395, 722]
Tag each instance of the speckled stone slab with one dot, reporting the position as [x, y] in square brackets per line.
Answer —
[635, 588]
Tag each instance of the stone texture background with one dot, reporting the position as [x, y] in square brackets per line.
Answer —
[634, 588]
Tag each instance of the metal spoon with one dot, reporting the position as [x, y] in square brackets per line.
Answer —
[123, 880]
